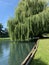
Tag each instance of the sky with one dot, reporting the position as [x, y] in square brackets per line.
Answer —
[7, 8]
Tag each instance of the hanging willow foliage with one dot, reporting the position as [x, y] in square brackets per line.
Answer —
[31, 19]
[40, 22]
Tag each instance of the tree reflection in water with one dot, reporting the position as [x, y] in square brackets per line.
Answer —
[19, 51]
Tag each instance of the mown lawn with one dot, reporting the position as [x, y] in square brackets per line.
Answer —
[42, 54]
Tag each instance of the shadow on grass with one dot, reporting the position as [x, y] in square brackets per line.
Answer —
[37, 62]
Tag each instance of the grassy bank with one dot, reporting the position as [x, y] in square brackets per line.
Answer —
[4, 39]
[42, 54]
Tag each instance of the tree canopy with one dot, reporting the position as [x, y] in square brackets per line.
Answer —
[31, 19]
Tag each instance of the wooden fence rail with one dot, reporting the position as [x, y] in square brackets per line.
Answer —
[30, 55]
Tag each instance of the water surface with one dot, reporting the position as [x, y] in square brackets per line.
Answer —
[13, 53]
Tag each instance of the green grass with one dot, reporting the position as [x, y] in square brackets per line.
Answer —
[42, 54]
[4, 39]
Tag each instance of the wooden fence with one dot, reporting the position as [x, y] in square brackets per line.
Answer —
[30, 55]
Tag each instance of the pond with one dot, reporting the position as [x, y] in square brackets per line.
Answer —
[13, 53]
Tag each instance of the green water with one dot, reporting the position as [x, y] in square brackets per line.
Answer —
[13, 53]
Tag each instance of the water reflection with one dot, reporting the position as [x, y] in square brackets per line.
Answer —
[13, 53]
[4, 52]
[18, 52]
[1, 52]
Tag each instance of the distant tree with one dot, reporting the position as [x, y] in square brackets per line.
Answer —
[5, 33]
[1, 26]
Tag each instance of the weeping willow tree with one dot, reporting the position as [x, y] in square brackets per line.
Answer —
[31, 19]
